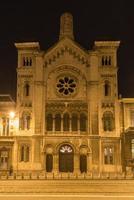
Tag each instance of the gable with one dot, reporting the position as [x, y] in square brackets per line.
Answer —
[66, 46]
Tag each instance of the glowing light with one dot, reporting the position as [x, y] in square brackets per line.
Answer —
[12, 114]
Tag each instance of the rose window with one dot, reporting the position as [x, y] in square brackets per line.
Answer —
[66, 85]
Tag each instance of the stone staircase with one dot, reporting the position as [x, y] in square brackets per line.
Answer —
[116, 187]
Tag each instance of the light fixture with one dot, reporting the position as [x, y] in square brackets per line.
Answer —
[12, 114]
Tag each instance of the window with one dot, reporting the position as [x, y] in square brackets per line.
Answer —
[49, 162]
[108, 155]
[83, 122]
[74, 122]
[132, 148]
[108, 121]
[5, 126]
[66, 85]
[49, 122]
[26, 89]
[106, 60]
[57, 122]
[107, 88]
[27, 61]
[24, 153]
[25, 121]
[66, 122]
[132, 118]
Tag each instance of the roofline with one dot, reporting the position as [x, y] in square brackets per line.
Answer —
[107, 43]
[127, 100]
[27, 45]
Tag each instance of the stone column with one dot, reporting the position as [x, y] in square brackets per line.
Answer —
[76, 163]
[70, 125]
[89, 162]
[44, 161]
[100, 156]
[53, 124]
[15, 156]
[79, 125]
[55, 163]
[61, 123]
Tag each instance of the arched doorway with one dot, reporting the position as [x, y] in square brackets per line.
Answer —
[66, 158]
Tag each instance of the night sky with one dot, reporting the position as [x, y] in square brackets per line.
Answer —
[93, 20]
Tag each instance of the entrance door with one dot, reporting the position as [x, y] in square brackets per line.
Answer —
[83, 163]
[66, 159]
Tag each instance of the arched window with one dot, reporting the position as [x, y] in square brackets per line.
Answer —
[83, 122]
[107, 88]
[26, 89]
[5, 126]
[108, 155]
[49, 122]
[25, 121]
[66, 122]
[27, 153]
[49, 162]
[24, 153]
[106, 60]
[74, 122]
[132, 118]
[57, 122]
[103, 61]
[27, 61]
[109, 62]
[108, 121]
[83, 163]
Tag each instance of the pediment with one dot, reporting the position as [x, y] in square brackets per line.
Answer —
[63, 46]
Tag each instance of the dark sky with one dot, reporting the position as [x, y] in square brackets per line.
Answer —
[93, 20]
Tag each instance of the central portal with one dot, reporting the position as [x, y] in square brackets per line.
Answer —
[66, 158]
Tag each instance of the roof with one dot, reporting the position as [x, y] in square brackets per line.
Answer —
[6, 98]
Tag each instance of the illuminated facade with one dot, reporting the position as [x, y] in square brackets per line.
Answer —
[68, 117]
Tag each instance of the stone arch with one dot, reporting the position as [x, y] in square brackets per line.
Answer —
[57, 147]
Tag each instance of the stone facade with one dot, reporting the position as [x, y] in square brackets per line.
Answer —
[68, 117]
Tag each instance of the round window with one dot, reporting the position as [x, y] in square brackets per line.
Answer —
[66, 85]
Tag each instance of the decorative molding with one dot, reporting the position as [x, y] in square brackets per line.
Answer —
[61, 51]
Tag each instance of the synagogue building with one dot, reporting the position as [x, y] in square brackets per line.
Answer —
[68, 117]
